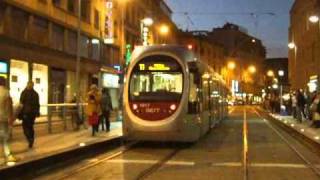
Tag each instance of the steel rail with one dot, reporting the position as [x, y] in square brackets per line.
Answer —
[301, 156]
[146, 173]
[245, 145]
[92, 164]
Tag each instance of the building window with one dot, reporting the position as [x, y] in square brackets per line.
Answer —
[72, 42]
[71, 6]
[56, 2]
[57, 37]
[2, 13]
[95, 49]
[85, 10]
[84, 46]
[17, 24]
[39, 32]
[96, 19]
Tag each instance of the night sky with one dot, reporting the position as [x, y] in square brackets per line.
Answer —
[269, 21]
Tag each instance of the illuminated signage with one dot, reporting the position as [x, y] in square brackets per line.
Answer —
[110, 80]
[154, 67]
[3, 67]
[109, 23]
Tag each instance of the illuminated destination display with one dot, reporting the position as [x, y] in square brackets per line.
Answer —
[154, 67]
[158, 63]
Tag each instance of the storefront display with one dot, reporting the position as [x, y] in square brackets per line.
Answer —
[40, 79]
[19, 76]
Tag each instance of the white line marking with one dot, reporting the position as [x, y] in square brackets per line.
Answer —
[278, 165]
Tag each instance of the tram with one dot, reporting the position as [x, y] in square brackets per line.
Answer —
[169, 95]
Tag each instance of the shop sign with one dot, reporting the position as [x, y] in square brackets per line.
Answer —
[3, 67]
[110, 80]
[109, 22]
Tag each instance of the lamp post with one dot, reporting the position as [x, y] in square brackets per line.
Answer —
[144, 25]
[281, 74]
[78, 57]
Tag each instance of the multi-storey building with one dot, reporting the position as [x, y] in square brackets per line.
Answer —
[209, 52]
[38, 41]
[246, 52]
[304, 43]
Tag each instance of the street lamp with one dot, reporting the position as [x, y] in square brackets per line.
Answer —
[314, 19]
[281, 74]
[164, 29]
[147, 21]
[291, 45]
[252, 69]
[231, 65]
[270, 73]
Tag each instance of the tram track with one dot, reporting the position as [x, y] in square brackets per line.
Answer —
[289, 143]
[122, 151]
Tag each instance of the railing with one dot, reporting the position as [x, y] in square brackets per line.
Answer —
[63, 111]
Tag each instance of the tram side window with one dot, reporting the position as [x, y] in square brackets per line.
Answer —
[205, 92]
[193, 103]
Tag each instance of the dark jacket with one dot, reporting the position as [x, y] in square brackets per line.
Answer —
[106, 104]
[30, 100]
[301, 101]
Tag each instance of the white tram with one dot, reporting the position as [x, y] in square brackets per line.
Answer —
[171, 96]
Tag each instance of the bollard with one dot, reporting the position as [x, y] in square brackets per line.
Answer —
[49, 120]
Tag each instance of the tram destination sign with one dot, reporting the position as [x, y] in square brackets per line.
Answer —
[158, 64]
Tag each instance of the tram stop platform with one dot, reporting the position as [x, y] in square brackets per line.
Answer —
[304, 128]
[55, 145]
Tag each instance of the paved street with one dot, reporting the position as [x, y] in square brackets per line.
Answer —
[219, 155]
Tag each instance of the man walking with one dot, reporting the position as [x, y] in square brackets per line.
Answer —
[6, 119]
[301, 102]
[30, 110]
[106, 107]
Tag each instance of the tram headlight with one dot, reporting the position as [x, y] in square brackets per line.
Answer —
[173, 107]
[135, 106]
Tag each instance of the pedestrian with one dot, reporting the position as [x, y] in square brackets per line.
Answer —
[106, 107]
[29, 100]
[301, 102]
[315, 108]
[6, 119]
[294, 104]
[93, 110]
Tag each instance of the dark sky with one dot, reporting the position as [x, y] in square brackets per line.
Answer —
[269, 22]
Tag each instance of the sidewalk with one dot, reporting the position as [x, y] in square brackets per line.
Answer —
[302, 128]
[49, 144]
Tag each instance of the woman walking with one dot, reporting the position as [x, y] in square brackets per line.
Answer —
[93, 110]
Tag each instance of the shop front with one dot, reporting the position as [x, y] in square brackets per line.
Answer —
[20, 73]
[4, 69]
[313, 84]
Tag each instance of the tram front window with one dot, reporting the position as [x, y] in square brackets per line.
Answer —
[156, 86]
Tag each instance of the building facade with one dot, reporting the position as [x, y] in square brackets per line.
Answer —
[246, 52]
[209, 52]
[39, 43]
[304, 42]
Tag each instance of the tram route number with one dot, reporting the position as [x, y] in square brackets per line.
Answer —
[152, 110]
[149, 109]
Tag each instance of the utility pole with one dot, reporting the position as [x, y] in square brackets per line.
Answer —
[78, 57]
